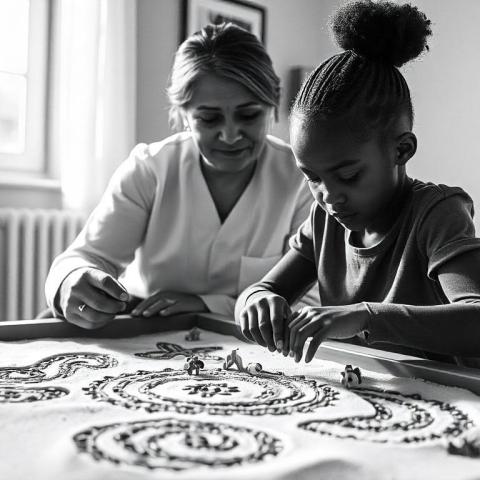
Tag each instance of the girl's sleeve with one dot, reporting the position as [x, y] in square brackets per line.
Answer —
[115, 228]
[447, 238]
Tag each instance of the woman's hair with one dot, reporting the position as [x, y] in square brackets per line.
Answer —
[228, 51]
[363, 84]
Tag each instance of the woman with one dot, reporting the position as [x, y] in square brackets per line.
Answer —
[189, 222]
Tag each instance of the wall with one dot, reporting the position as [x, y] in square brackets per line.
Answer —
[445, 83]
[290, 23]
[158, 36]
[445, 86]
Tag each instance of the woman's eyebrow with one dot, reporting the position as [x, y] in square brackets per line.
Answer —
[242, 105]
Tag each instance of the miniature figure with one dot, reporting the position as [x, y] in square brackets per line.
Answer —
[254, 368]
[351, 377]
[193, 335]
[193, 365]
[234, 359]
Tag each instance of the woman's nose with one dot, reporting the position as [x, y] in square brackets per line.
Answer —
[230, 133]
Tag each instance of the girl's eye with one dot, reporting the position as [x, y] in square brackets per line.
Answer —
[312, 180]
[350, 178]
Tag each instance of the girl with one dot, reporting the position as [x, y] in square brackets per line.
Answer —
[396, 259]
[200, 215]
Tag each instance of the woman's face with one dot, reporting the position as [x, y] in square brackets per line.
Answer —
[228, 123]
[352, 180]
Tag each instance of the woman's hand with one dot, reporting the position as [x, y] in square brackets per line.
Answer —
[263, 320]
[320, 323]
[169, 303]
[89, 298]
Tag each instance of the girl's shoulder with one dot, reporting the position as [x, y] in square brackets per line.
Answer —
[427, 195]
[438, 208]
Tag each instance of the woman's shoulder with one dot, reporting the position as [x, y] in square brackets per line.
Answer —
[279, 156]
[167, 149]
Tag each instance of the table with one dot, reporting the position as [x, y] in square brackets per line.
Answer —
[118, 403]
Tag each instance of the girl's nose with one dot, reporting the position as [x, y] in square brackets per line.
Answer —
[230, 133]
[332, 196]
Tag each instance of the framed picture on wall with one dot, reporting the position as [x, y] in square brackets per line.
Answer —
[198, 13]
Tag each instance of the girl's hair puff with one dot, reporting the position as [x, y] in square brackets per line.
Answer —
[363, 84]
[228, 51]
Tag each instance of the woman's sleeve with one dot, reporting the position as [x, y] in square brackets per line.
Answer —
[219, 303]
[115, 228]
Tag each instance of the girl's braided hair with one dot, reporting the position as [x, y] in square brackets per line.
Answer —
[364, 83]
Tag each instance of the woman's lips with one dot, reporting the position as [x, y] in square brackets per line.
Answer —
[232, 152]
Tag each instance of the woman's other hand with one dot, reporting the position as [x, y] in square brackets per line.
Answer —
[263, 320]
[169, 303]
[320, 323]
[89, 298]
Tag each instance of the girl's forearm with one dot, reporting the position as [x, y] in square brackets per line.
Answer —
[452, 329]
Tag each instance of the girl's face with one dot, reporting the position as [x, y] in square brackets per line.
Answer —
[352, 180]
[228, 123]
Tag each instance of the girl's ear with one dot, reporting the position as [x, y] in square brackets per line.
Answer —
[406, 147]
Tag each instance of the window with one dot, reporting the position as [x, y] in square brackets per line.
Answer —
[24, 37]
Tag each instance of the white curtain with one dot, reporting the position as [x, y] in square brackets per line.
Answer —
[93, 95]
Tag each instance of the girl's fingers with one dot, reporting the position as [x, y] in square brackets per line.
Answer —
[278, 314]
[286, 332]
[301, 320]
[245, 325]
[317, 338]
[254, 329]
[299, 338]
[265, 326]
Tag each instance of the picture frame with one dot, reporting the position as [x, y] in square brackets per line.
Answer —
[198, 13]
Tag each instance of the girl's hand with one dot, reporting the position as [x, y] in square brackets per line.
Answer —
[89, 297]
[169, 303]
[263, 320]
[320, 323]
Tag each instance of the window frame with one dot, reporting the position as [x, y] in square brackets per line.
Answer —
[32, 161]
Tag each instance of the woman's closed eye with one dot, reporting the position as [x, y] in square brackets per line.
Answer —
[247, 116]
[208, 119]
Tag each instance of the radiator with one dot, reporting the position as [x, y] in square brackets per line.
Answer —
[29, 241]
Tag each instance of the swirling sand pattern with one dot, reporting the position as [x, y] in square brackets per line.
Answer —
[57, 366]
[177, 445]
[214, 392]
[399, 418]
[167, 351]
[19, 394]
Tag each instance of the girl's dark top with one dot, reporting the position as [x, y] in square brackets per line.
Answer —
[397, 278]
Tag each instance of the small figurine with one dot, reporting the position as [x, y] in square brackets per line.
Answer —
[467, 445]
[193, 335]
[193, 365]
[234, 358]
[254, 368]
[351, 377]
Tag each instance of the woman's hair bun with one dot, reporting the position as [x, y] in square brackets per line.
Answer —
[381, 30]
